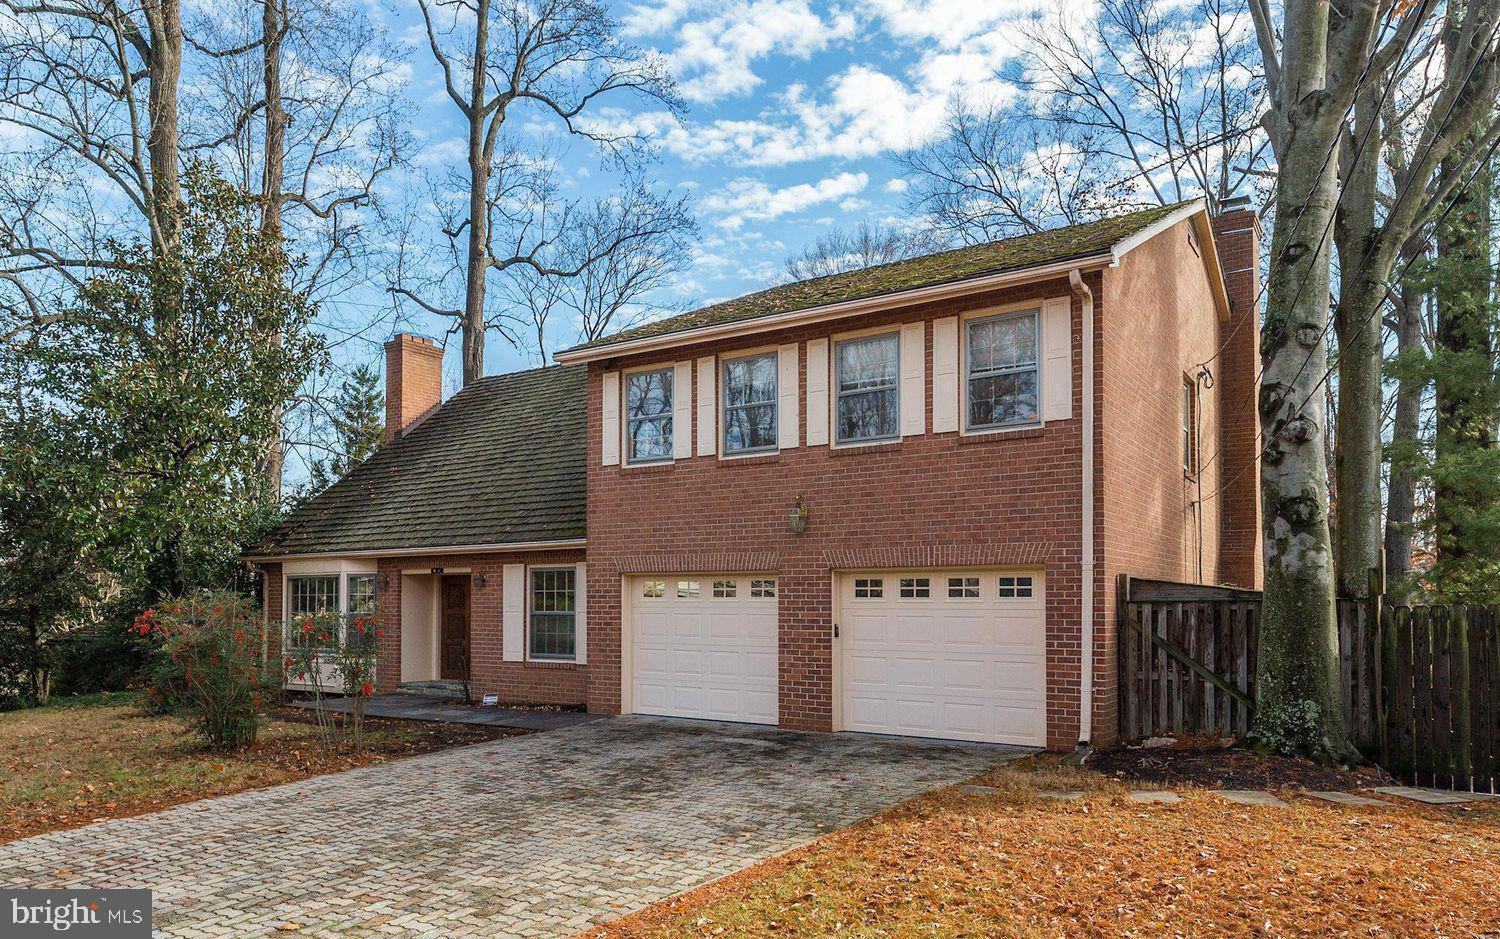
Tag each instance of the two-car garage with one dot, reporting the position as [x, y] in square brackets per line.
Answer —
[957, 655]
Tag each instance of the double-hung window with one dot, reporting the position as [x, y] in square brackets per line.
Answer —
[866, 371]
[1001, 376]
[750, 403]
[1189, 427]
[648, 416]
[554, 613]
[361, 627]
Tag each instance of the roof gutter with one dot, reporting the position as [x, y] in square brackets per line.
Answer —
[831, 311]
[1086, 514]
[559, 545]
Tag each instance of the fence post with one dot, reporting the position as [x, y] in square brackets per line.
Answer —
[1459, 683]
[1376, 688]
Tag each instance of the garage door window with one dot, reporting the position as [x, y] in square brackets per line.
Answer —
[1015, 586]
[554, 622]
[726, 589]
[915, 588]
[762, 589]
[869, 588]
[653, 589]
[965, 588]
[688, 590]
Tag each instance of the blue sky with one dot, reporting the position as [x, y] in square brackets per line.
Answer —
[794, 110]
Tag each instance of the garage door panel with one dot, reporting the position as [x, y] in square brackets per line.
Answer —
[969, 668]
[704, 656]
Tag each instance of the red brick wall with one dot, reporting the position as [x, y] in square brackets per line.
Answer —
[1160, 322]
[271, 586]
[932, 501]
[1240, 550]
[515, 682]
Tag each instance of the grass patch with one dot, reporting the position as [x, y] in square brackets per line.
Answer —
[85, 759]
[953, 864]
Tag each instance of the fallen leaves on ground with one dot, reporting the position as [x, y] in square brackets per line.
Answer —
[1012, 864]
[76, 763]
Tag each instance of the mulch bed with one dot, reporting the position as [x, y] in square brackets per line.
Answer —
[1209, 764]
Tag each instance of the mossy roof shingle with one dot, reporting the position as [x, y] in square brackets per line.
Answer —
[500, 462]
[995, 257]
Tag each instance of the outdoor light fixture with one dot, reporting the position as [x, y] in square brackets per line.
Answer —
[479, 580]
[797, 517]
[384, 581]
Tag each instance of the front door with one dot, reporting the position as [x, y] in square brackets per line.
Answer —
[455, 626]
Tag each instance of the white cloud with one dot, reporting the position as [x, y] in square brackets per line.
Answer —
[752, 200]
[895, 185]
[715, 53]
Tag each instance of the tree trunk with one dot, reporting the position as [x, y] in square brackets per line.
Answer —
[478, 264]
[1406, 426]
[1357, 323]
[164, 70]
[273, 22]
[1297, 699]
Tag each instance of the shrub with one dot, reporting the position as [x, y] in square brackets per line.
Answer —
[113, 659]
[209, 664]
[344, 646]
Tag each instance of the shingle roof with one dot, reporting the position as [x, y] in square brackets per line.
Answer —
[502, 461]
[995, 257]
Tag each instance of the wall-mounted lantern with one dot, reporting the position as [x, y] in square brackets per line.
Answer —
[479, 580]
[797, 517]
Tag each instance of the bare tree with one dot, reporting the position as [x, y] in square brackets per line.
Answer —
[302, 104]
[1441, 122]
[614, 287]
[993, 173]
[865, 245]
[564, 58]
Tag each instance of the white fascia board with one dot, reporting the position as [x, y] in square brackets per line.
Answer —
[560, 545]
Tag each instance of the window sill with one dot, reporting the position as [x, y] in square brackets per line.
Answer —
[550, 664]
[663, 467]
[751, 459]
[990, 436]
[862, 449]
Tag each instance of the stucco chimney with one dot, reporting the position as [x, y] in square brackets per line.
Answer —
[413, 382]
[1237, 235]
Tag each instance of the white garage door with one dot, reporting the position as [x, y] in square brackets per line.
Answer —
[954, 655]
[704, 646]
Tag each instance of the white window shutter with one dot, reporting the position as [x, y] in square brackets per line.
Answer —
[581, 616]
[682, 410]
[945, 377]
[1057, 359]
[913, 380]
[708, 433]
[787, 431]
[611, 422]
[817, 392]
[513, 613]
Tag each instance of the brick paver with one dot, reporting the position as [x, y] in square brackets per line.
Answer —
[530, 836]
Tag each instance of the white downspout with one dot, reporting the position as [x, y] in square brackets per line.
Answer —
[1086, 668]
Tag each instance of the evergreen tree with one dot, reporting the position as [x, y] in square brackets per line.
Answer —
[358, 427]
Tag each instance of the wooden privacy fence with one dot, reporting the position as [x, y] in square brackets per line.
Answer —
[1420, 686]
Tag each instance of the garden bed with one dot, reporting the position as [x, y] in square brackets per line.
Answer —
[1209, 763]
[90, 759]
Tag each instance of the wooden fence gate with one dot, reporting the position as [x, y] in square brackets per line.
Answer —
[1420, 686]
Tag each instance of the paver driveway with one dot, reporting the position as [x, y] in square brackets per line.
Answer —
[530, 836]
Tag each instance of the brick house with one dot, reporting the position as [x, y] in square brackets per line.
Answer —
[882, 501]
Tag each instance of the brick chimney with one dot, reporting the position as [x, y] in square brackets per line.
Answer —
[413, 382]
[1237, 235]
